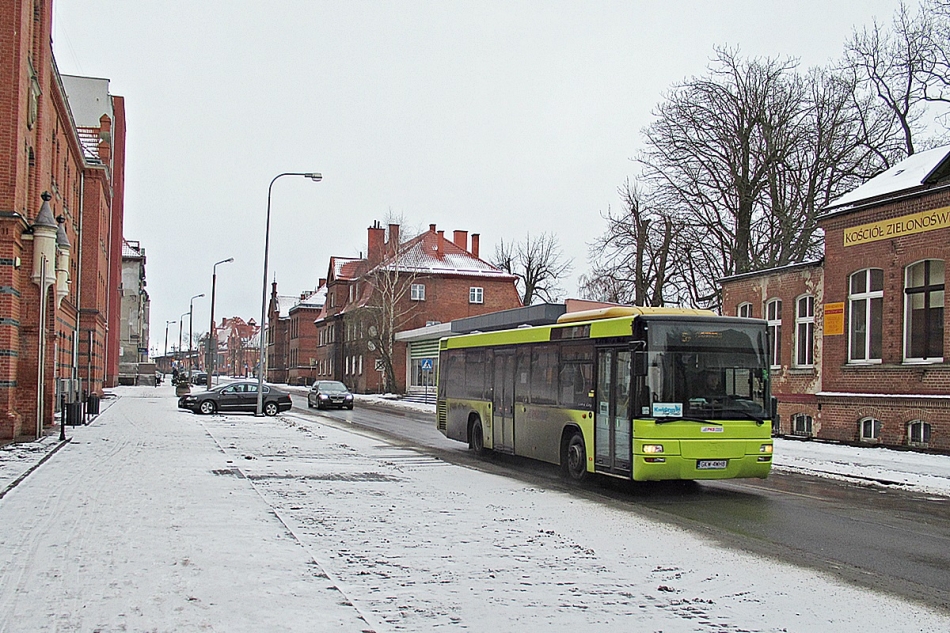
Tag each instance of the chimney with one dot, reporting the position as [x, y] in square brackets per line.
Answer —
[439, 248]
[393, 237]
[375, 242]
[322, 283]
[432, 228]
[475, 245]
[460, 239]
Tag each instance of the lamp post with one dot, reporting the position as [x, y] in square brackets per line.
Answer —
[212, 338]
[191, 331]
[167, 323]
[181, 322]
[316, 177]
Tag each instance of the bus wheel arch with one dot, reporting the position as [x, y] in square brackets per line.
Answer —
[476, 434]
[573, 454]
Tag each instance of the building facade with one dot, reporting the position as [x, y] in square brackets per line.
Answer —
[134, 317]
[876, 306]
[58, 185]
[400, 286]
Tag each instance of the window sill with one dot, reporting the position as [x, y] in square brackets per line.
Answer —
[802, 371]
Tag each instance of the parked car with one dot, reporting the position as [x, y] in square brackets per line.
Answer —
[199, 378]
[236, 396]
[329, 393]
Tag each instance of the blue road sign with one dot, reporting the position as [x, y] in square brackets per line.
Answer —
[426, 364]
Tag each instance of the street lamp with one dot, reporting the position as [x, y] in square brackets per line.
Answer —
[316, 177]
[212, 339]
[191, 331]
[167, 323]
[181, 322]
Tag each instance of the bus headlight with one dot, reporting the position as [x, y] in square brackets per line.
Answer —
[652, 448]
[765, 448]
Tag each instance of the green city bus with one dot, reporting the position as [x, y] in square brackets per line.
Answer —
[640, 393]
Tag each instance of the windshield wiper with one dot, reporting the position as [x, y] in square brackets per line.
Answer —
[669, 418]
[745, 415]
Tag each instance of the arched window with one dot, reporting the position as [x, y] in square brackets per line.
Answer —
[773, 314]
[918, 433]
[866, 315]
[870, 429]
[805, 331]
[923, 311]
[744, 310]
[801, 424]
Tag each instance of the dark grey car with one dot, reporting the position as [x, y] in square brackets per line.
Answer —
[329, 393]
[236, 396]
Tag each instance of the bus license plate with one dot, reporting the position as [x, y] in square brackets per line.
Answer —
[711, 464]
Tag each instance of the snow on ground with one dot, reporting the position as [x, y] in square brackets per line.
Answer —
[156, 519]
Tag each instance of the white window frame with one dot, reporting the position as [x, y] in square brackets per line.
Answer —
[744, 310]
[807, 423]
[807, 322]
[926, 433]
[775, 331]
[417, 292]
[876, 427]
[866, 296]
[476, 294]
[908, 311]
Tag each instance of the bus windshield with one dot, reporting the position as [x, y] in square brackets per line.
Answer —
[707, 370]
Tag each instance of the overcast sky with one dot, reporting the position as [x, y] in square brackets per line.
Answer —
[499, 118]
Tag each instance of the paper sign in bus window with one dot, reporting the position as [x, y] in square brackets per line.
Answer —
[668, 409]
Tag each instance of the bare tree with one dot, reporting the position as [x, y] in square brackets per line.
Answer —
[537, 262]
[896, 65]
[631, 260]
[384, 294]
[744, 158]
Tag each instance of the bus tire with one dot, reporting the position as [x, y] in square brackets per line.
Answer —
[477, 438]
[574, 458]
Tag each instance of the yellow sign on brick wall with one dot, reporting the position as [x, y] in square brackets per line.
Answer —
[896, 227]
[834, 319]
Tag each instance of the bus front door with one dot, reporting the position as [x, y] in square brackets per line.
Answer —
[612, 449]
[503, 401]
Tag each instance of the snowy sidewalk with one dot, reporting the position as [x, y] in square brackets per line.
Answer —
[127, 527]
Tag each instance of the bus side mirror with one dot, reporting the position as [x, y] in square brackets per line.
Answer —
[773, 409]
[639, 363]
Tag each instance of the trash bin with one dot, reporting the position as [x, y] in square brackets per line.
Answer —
[92, 404]
[74, 413]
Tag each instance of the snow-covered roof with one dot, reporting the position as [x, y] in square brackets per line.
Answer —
[315, 300]
[914, 171]
[424, 255]
[132, 250]
[285, 303]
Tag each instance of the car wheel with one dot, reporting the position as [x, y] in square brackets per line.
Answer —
[270, 408]
[207, 407]
[309, 403]
[350, 407]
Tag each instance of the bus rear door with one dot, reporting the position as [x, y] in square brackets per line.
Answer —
[503, 401]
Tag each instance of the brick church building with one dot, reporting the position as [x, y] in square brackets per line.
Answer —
[860, 338]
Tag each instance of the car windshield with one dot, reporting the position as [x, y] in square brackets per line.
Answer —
[331, 387]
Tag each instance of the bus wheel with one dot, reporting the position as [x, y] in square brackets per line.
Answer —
[477, 442]
[574, 460]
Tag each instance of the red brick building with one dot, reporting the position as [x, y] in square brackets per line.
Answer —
[60, 182]
[400, 286]
[879, 317]
[292, 335]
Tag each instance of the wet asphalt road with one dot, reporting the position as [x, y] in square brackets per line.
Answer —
[884, 539]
